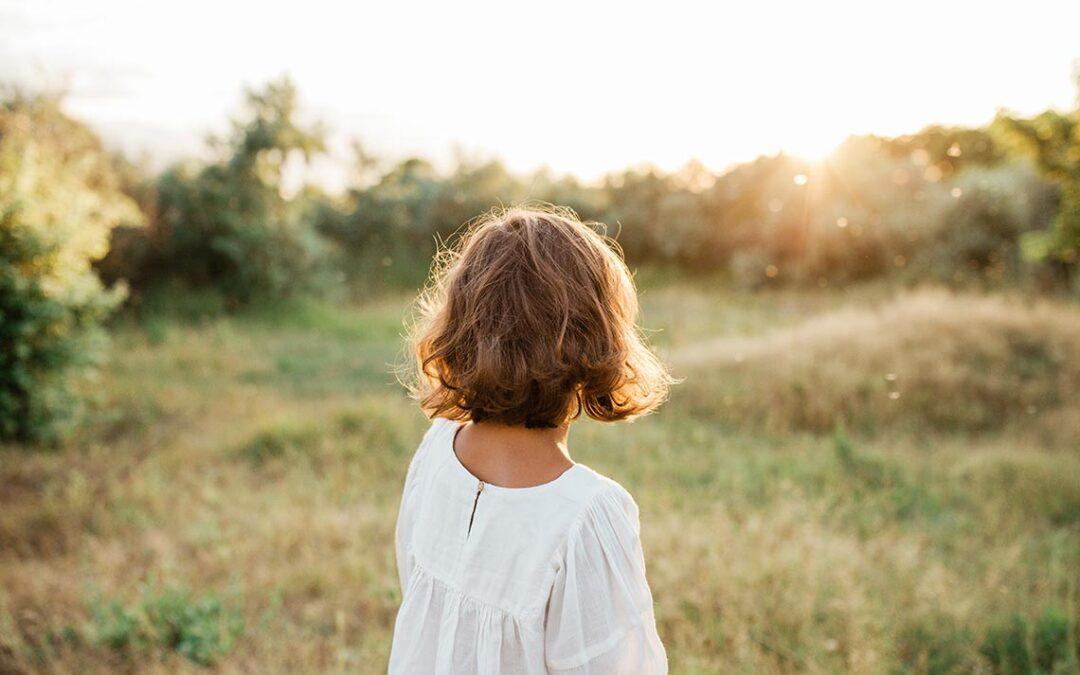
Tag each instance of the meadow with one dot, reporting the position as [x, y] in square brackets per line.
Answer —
[870, 481]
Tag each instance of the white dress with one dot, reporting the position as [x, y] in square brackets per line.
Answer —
[536, 580]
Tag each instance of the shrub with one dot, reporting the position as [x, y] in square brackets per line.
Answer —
[390, 227]
[979, 228]
[866, 213]
[113, 625]
[199, 629]
[59, 200]
[860, 214]
[1052, 138]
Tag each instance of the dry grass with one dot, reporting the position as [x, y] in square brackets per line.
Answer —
[253, 465]
[928, 360]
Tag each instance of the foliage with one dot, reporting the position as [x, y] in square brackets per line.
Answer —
[935, 645]
[199, 629]
[59, 200]
[945, 151]
[902, 208]
[1053, 139]
[230, 224]
[952, 204]
[981, 226]
[1020, 646]
[392, 225]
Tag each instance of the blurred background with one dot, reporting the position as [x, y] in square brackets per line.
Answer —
[854, 230]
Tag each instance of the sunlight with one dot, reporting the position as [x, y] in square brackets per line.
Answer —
[729, 83]
[255, 256]
[815, 149]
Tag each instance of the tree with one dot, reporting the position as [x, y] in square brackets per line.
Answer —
[231, 225]
[1053, 139]
[59, 200]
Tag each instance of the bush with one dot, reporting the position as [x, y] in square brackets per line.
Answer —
[59, 200]
[1052, 139]
[978, 231]
[866, 214]
[199, 629]
[390, 228]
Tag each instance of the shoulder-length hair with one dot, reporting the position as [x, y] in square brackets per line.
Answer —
[530, 319]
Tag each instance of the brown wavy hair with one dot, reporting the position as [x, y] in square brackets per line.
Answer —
[529, 318]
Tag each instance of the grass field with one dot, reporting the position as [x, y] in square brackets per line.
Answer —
[865, 482]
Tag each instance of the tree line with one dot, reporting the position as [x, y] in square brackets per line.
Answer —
[81, 228]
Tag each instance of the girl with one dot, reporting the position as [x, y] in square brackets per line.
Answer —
[512, 558]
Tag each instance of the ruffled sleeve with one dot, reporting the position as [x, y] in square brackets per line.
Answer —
[600, 614]
[403, 532]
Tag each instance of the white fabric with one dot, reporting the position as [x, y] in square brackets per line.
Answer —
[550, 579]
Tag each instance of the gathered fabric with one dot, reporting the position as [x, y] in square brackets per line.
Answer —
[544, 579]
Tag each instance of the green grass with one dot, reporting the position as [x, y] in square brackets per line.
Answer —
[230, 500]
[198, 629]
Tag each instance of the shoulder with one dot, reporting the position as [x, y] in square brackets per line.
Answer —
[604, 539]
[439, 426]
[440, 431]
[592, 486]
[602, 504]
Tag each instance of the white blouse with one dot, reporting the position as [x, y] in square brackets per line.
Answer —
[544, 579]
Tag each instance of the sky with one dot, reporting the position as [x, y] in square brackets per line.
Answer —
[579, 87]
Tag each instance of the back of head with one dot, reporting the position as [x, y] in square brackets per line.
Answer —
[529, 319]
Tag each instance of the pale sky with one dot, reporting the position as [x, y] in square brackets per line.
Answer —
[582, 87]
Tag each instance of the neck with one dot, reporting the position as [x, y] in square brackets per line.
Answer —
[513, 456]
